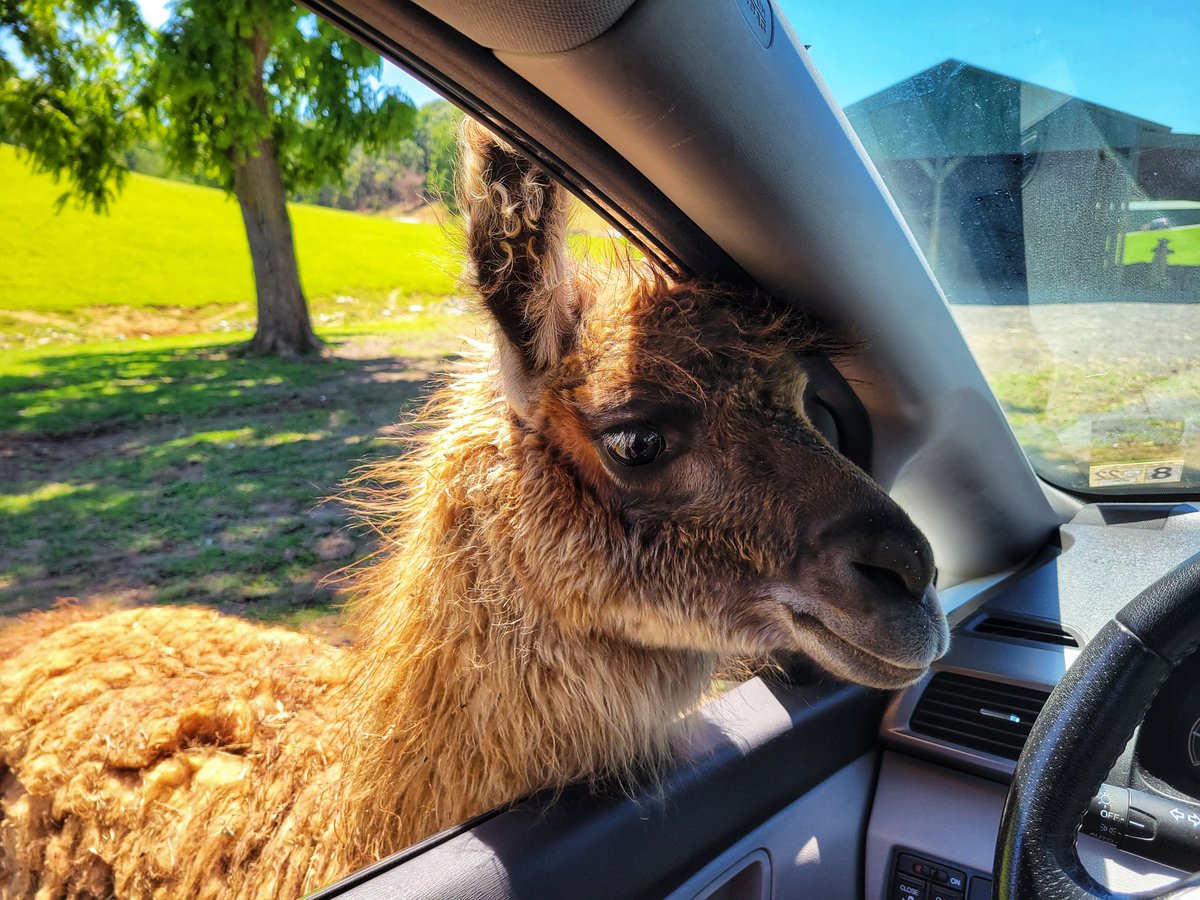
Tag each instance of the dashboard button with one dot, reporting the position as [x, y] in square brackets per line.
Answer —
[940, 893]
[908, 864]
[908, 889]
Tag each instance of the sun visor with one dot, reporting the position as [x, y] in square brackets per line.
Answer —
[529, 26]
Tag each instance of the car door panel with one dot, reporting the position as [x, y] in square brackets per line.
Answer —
[796, 761]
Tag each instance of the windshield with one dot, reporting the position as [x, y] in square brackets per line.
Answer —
[1046, 158]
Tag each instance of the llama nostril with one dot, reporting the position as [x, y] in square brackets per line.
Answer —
[896, 568]
[890, 580]
[886, 552]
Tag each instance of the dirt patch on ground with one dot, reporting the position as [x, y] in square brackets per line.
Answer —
[31, 328]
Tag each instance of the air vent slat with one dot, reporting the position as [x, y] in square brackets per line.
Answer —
[953, 721]
[953, 714]
[1024, 708]
[1025, 630]
[972, 712]
[1031, 706]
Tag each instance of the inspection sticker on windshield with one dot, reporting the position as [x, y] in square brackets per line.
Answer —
[1162, 471]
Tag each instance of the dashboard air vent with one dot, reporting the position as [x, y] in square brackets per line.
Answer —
[974, 712]
[1026, 630]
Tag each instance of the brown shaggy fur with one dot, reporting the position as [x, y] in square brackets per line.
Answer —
[539, 613]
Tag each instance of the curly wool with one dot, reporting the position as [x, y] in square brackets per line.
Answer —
[163, 753]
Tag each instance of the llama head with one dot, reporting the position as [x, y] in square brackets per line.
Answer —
[674, 492]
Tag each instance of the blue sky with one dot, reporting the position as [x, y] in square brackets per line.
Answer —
[1140, 59]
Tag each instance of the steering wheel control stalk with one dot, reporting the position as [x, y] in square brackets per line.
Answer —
[1155, 827]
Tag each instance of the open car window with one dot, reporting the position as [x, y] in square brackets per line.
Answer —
[1055, 193]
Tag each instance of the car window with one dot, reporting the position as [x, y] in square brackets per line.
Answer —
[1054, 188]
[158, 447]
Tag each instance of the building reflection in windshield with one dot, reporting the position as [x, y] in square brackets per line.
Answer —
[1017, 192]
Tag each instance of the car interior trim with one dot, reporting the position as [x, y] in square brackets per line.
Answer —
[664, 833]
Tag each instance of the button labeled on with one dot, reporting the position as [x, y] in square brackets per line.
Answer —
[956, 880]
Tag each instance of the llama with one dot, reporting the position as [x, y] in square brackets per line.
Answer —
[623, 493]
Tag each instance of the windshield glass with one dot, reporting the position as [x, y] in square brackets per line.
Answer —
[1047, 161]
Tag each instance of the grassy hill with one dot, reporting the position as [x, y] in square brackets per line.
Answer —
[164, 243]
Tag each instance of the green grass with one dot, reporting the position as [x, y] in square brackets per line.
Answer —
[172, 471]
[165, 243]
[84, 390]
[1185, 242]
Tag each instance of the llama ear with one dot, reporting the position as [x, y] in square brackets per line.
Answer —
[516, 223]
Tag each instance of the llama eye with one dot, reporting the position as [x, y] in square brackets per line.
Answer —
[634, 445]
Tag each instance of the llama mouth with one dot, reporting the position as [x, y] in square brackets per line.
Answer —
[889, 672]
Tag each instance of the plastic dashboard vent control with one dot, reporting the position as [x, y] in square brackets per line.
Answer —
[1025, 630]
[978, 713]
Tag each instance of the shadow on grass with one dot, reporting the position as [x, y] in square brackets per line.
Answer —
[72, 394]
[186, 475]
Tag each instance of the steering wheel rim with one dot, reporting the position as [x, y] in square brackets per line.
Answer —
[1085, 724]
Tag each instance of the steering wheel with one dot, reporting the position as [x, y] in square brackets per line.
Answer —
[1084, 726]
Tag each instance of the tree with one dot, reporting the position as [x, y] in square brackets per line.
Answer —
[65, 94]
[258, 95]
[436, 128]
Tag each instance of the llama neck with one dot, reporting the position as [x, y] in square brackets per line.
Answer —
[473, 685]
[490, 712]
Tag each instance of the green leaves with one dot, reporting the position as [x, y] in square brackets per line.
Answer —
[330, 86]
[436, 131]
[68, 94]
[220, 82]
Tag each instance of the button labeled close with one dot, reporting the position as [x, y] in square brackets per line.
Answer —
[908, 889]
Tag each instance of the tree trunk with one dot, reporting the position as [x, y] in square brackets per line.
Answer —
[284, 327]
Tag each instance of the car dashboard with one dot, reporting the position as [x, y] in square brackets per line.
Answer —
[951, 741]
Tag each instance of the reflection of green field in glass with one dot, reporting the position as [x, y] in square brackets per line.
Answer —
[1184, 242]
